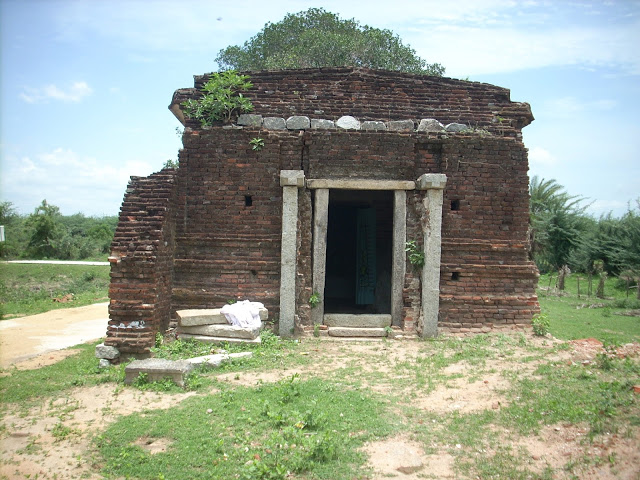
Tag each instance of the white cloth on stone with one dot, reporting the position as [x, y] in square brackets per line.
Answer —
[243, 314]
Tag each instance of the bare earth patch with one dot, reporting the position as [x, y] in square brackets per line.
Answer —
[400, 457]
[53, 439]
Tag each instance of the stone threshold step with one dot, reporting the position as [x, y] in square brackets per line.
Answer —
[357, 332]
[357, 320]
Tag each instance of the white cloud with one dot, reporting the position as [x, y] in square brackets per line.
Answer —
[68, 180]
[75, 93]
[541, 157]
[569, 107]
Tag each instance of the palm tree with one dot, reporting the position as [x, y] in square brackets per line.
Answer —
[555, 223]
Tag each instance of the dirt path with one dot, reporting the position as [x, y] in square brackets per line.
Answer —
[38, 340]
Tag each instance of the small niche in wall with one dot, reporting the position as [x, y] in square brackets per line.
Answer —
[455, 276]
[248, 200]
[455, 205]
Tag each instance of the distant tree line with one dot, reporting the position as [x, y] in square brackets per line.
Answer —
[47, 234]
[563, 235]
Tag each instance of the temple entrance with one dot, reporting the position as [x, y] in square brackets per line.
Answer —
[359, 252]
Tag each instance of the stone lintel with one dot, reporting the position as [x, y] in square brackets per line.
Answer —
[361, 184]
[292, 178]
[431, 181]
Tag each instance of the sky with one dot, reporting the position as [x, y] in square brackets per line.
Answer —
[85, 84]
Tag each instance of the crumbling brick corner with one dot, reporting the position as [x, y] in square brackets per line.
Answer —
[142, 264]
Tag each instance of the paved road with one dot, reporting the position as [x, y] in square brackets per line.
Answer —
[58, 262]
[26, 337]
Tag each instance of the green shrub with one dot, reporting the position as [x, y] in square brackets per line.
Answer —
[222, 99]
[540, 324]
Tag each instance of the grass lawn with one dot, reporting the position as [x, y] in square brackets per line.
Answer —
[572, 316]
[28, 289]
[487, 406]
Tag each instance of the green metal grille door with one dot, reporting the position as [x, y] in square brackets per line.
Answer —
[366, 256]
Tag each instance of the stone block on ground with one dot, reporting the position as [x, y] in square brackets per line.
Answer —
[208, 316]
[217, 359]
[357, 332]
[158, 369]
[207, 339]
[230, 331]
[107, 352]
[357, 321]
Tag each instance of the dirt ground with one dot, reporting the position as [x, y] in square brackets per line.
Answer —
[30, 448]
[37, 340]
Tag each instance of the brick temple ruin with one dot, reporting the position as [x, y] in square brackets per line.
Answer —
[354, 164]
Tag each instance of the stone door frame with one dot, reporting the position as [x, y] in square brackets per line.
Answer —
[432, 183]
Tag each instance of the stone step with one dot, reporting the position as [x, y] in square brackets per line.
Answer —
[208, 339]
[357, 321]
[229, 331]
[158, 369]
[357, 332]
[208, 316]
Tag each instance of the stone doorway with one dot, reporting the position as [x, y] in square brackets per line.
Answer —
[359, 252]
[431, 184]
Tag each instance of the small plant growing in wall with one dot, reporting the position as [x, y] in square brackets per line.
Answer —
[314, 299]
[257, 144]
[415, 254]
[222, 98]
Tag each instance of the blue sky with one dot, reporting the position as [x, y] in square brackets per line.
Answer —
[85, 84]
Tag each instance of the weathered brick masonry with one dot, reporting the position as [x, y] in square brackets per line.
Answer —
[211, 230]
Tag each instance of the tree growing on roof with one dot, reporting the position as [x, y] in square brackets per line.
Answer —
[317, 38]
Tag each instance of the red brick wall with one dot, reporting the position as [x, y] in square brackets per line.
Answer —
[142, 263]
[380, 95]
[211, 231]
[226, 249]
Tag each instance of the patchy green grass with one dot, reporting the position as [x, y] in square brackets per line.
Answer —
[20, 386]
[267, 432]
[313, 425]
[574, 316]
[28, 289]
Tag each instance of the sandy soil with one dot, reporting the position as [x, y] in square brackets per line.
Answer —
[38, 340]
[30, 447]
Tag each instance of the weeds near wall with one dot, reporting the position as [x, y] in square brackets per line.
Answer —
[415, 254]
[257, 144]
[314, 299]
[541, 324]
[222, 99]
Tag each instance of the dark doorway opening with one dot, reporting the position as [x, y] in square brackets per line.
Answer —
[359, 252]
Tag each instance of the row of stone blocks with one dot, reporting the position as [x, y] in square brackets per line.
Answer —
[210, 325]
[347, 122]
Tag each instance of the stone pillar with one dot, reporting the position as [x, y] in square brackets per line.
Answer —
[434, 184]
[399, 263]
[320, 222]
[290, 181]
